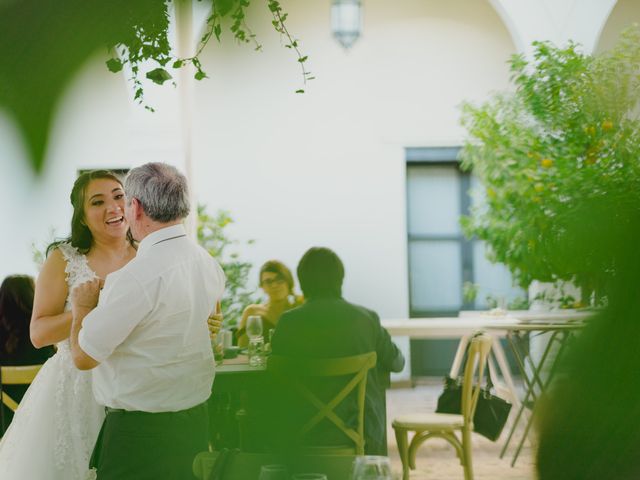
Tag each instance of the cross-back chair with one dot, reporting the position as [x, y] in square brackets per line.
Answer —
[22, 375]
[301, 375]
[447, 426]
[19, 375]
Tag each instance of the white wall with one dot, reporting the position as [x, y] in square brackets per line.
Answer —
[625, 13]
[323, 168]
[328, 167]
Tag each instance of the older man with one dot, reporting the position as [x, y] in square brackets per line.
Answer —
[147, 337]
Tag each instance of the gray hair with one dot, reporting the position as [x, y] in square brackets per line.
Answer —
[161, 189]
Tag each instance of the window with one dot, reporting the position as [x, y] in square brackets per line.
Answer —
[441, 259]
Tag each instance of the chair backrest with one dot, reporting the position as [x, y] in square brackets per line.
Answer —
[22, 375]
[474, 372]
[299, 374]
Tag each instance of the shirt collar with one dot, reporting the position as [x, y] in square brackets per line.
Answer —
[165, 233]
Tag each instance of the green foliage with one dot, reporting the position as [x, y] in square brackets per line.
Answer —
[57, 37]
[158, 76]
[559, 158]
[235, 11]
[148, 41]
[469, 291]
[213, 237]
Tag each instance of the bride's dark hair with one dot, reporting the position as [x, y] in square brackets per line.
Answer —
[81, 237]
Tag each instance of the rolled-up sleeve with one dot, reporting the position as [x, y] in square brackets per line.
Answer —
[123, 305]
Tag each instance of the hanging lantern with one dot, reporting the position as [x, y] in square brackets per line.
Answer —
[346, 21]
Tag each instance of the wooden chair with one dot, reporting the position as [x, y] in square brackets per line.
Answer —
[22, 375]
[300, 376]
[242, 465]
[447, 426]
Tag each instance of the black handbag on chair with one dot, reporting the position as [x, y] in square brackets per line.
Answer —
[491, 411]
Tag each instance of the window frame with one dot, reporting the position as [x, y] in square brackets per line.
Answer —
[441, 157]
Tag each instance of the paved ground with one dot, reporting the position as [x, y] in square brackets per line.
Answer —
[436, 459]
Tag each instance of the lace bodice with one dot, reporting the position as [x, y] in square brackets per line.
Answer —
[77, 270]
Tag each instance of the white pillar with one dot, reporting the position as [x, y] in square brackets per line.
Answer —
[186, 49]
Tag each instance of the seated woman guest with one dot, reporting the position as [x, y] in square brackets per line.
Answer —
[277, 283]
[16, 303]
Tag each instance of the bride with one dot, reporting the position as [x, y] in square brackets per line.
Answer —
[54, 430]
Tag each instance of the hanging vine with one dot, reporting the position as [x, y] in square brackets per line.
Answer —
[146, 41]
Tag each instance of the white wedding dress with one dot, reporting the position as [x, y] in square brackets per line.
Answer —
[55, 428]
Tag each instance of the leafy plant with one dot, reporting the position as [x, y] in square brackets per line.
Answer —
[58, 37]
[559, 159]
[470, 292]
[213, 237]
[147, 41]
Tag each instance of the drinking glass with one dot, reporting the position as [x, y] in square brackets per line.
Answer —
[254, 326]
[217, 346]
[274, 472]
[309, 476]
[218, 351]
[256, 352]
[371, 467]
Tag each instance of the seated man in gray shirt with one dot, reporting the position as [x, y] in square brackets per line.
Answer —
[147, 337]
[327, 326]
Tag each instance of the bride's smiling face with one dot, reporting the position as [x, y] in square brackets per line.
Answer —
[104, 208]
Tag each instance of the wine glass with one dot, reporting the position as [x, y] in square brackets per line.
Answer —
[371, 467]
[254, 327]
[274, 472]
[309, 476]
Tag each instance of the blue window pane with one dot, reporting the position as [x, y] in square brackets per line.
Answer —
[436, 278]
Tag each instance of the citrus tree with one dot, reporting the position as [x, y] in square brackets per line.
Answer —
[559, 159]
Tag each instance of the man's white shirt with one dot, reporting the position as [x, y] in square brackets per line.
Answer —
[149, 331]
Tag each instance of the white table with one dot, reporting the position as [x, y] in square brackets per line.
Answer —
[467, 324]
[462, 328]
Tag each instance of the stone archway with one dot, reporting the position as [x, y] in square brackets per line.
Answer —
[556, 20]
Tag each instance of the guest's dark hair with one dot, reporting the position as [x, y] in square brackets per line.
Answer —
[320, 273]
[81, 237]
[16, 303]
[280, 269]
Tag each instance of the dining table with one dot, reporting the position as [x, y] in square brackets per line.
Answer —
[463, 327]
[234, 385]
[537, 371]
